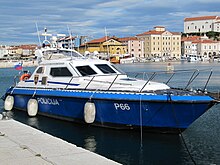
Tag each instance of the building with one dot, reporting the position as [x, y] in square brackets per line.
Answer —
[160, 43]
[66, 42]
[202, 24]
[134, 46]
[200, 46]
[186, 45]
[28, 51]
[104, 45]
[3, 52]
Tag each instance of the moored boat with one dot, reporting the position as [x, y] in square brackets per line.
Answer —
[68, 86]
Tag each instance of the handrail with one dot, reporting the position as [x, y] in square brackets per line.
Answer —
[192, 78]
[112, 82]
[207, 81]
[151, 78]
[89, 82]
[114, 79]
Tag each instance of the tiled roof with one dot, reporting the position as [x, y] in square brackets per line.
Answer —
[190, 38]
[205, 41]
[127, 39]
[201, 18]
[159, 27]
[28, 46]
[151, 32]
[99, 40]
[154, 32]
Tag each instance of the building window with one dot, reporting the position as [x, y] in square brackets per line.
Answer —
[195, 27]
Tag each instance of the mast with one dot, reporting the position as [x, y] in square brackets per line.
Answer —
[106, 38]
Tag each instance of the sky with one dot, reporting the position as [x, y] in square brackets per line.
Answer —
[20, 19]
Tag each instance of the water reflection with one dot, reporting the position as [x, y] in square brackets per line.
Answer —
[33, 121]
[90, 143]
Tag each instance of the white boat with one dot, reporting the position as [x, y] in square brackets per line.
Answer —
[127, 59]
[193, 58]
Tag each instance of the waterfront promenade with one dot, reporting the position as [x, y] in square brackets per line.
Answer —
[22, 144]
[10, 64]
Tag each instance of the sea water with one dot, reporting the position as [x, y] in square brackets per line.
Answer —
[199, 144]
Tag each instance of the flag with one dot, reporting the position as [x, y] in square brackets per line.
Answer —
[18, 66]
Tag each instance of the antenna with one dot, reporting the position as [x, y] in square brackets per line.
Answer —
[71, 41]
[106, 37]
[38, 33]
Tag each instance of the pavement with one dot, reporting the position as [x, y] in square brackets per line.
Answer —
[23, 145]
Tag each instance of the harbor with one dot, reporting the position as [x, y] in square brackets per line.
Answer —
[110, 82]
[129, 147]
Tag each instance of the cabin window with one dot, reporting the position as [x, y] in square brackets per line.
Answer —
[40, 70]
[60, 72]
[105, 68]
[85, 70]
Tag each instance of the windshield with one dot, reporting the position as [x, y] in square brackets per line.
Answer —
[70, 53]
[105, 68]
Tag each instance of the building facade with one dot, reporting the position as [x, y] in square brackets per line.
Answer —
[160, 43]
[104, 45]
[200, 46]
[3, 52]
[134, 46]
[202, 24]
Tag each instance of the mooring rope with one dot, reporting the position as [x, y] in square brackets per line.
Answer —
[180, 132]
[141, 124]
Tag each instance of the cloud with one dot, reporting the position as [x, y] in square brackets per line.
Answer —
[121, 18]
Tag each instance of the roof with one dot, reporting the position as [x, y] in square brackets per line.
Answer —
[205, 41]
[127, 39]
[99, 40]
[201, 18]
[151, 32]
[27, 46]
[154, 32]
[191, 38]
[159, 27]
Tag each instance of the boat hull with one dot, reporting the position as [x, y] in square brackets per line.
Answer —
[118, 110]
